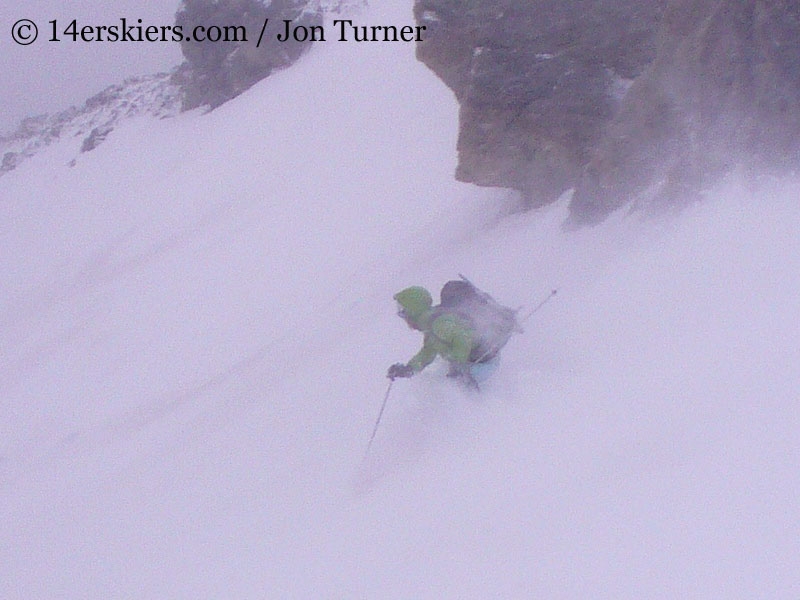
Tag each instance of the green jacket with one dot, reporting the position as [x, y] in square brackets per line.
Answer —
[446, 334]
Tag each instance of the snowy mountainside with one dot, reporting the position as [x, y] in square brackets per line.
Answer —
[153, 95]
[197, 320]
[159, 95]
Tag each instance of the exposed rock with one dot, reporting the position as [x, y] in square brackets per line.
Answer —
[643, 102]
[724, 91]
[10, 162]
[215, 73]
[156, 95]
[536, 81]
[220, 71]
[95, 138]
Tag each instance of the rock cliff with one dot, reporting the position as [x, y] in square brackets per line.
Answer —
[627, 102]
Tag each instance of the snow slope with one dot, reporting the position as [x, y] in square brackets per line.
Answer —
[196, 322]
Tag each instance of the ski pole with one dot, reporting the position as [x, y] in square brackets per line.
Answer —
[538, 306]
[380, 416]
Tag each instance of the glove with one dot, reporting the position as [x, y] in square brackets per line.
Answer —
[399, 370]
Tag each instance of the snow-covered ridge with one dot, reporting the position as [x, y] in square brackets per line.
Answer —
[157, 95]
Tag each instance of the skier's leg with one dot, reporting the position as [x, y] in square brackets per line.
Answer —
[455, 370]
[462, 372]
[483, 370]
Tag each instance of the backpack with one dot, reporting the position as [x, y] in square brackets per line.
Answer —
[492, 322]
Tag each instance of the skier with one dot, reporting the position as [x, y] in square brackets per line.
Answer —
[468, 328]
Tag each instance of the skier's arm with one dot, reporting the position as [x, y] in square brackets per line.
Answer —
[424, 357]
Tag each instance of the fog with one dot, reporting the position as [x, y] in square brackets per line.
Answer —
[196, 319]
[50, 76]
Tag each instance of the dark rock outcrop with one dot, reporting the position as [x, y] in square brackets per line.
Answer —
[537, 82]
[217, 72]
[624, 101]
[723, 91]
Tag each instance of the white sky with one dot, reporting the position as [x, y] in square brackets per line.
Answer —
[47, 76]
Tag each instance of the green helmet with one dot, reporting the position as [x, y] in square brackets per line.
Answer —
[415, 301]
